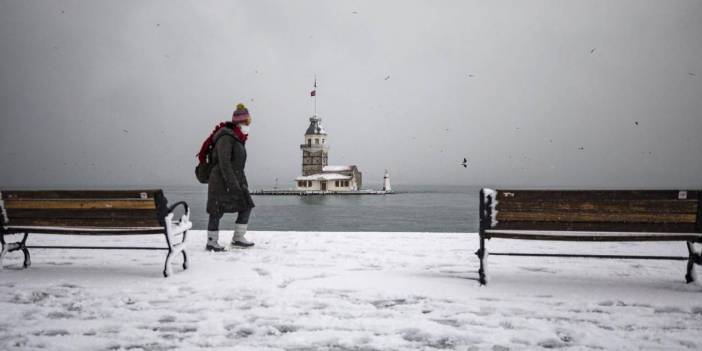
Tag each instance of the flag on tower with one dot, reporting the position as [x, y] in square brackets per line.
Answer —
[313, 92]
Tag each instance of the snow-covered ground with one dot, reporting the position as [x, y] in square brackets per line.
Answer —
[347, 291]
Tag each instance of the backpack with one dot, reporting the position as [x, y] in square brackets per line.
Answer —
[204, 157]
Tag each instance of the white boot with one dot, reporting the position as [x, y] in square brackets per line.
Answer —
[238, 239]
[213, 241]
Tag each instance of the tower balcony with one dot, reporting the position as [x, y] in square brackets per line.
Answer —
[314, 147]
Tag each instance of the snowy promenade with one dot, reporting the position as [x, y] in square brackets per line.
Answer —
[347, 291]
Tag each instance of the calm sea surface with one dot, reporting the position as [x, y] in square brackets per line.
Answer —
[411, 209]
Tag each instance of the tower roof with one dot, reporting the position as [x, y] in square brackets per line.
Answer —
[315, 126]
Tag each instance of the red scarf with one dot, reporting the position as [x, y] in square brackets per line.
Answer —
[239, 134]
[208, 143]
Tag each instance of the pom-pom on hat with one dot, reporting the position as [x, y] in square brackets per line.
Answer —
[240, 114]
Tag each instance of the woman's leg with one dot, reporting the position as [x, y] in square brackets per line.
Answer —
[240, 228]
[213, 223]
[213, 233]
[243, 217]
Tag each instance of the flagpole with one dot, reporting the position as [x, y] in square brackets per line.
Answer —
[315, 95]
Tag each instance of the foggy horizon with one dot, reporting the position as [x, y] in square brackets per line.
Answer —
[538, 94]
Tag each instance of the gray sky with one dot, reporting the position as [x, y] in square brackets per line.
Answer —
[533, 93]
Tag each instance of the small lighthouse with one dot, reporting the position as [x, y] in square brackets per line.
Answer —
[386, 182]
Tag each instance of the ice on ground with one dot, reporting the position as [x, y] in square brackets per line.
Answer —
[347, 291]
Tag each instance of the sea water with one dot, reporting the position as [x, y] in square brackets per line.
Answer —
[444, 209]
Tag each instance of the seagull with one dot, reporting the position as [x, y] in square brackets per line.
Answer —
[124, 130]
[592, 51]
[464, 163]
[387, 77]
[691, 74]
[636, 123]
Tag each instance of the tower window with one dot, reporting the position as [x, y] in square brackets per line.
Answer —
[316, 140]
[309, 141]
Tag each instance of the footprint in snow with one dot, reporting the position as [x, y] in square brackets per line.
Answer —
[289, 281]
[175, 329]
[489, 299]
[52, 332]
[59, 315]
[167, 319]
[450, 322]
[262, 272]
[538, 269]
[564, 335]
[667, 309]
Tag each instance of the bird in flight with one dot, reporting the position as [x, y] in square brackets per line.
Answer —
[464, 163]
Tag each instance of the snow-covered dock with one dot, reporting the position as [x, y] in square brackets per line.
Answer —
[347, 291]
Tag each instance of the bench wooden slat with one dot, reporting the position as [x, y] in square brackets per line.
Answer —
[593, 195]
[591, 236]
[609, 206]
[596, 217]
[85, 230]
[84, 222]
[599, 226]
[80, 204]
[79, 194]
[83, 213]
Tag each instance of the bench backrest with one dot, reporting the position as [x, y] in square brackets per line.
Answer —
[83, 209]
[665, 211]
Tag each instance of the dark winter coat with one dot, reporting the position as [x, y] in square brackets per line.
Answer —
[228, 189]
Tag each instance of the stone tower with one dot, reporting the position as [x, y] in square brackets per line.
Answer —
[315, 150]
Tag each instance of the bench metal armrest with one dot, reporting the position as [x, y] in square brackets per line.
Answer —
[184, 223]
[180, 203]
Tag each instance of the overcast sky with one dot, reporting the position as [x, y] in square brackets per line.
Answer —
[533, 93]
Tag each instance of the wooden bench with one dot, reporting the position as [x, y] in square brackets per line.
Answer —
[569, 215]
[93, 213]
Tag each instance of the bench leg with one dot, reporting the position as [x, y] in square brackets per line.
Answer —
[482, 256]
[9, 247]
[167, 271]
[23, 246]
[3, 248]
[694, 258]
[182, 250]
[173, 248]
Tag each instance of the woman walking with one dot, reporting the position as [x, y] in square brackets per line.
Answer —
[228, 189]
